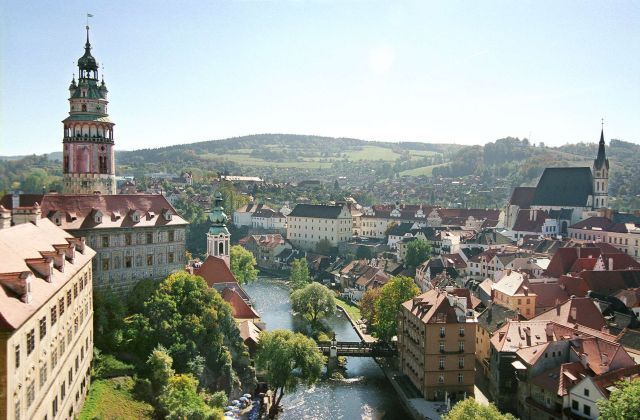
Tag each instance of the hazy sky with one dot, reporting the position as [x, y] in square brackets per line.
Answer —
[464, 72]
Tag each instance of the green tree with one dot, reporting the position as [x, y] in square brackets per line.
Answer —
[109, 312]
[287, 358]
[368, 303]
[243, 264]
[470, 409]
[191, 320]
[180, 400]
[623, 403]
[417, 252]
[314, 301]
[299, 276]
[141, 292]
[393, 294]
[160, 366]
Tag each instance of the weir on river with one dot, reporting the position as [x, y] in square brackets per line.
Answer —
[365, 393]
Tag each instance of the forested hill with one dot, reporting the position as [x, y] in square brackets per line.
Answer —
[285, 157]
[276, 146]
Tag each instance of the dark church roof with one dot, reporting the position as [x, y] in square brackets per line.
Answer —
[568, 187]
[522, 197]
[321, 211]
[601, 161]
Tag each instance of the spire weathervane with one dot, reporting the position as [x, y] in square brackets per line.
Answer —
[602, 122]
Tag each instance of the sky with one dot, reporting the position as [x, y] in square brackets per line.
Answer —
[465, 72]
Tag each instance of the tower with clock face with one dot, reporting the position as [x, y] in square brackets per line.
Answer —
[88, 145]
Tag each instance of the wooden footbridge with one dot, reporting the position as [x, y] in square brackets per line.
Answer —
[357, 349]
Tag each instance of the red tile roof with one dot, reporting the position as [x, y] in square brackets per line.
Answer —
[214, 270]
[577, 310]
[77, 211]
[549, 294]
[605, 381]
[240, 308]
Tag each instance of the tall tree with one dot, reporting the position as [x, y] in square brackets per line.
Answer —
[623, 403]
[314, 301]
[368, 302]
[287, 359]
[180, 400]
[417, 252]
[243, 264]
[109, 312]
[191, 320]
[393, 294]
[299, 276]
[471, 409]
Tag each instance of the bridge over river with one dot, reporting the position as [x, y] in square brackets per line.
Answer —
[357, 349]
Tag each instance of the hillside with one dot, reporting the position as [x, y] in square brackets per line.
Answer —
[504, 163]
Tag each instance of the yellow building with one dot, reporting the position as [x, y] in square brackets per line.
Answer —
[309, 224]
[46, 322]
[512, 291]
[436, 342]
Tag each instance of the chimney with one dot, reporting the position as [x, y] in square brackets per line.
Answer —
[15, 199]
[557, 308]
[573, 313]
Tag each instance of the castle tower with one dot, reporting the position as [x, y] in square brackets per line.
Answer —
[88, 152]
[601, 177]
[218, 237]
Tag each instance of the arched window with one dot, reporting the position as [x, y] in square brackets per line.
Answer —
[84, 108]
[220, 248]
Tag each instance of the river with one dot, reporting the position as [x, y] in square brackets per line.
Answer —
[365, 393]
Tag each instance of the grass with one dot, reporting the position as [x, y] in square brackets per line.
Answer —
[350, 308]
[422, 170]
[113, 399]
[372, 153]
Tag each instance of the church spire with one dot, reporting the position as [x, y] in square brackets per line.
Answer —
[601, 159]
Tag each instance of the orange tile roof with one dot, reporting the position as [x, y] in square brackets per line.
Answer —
[214, 270]
[576, 310]
[23, 246]
[240, 308]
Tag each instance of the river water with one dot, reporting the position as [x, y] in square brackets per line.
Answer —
[365, 393]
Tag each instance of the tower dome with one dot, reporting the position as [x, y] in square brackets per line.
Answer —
[217, 216]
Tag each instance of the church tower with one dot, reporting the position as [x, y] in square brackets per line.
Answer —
[218, 237]
[88, 152]
[601, 177]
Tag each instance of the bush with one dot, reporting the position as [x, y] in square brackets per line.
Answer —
[107, 366]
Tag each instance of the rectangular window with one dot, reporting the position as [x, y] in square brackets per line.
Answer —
[61, 305]
[75, 290]
[442, 331]
[105, 264]
[62, 347]
[150, 259]
[461, 345]
[16, 410]
[150, 238]
[63, 388]
[171, 236]
[70, 376]
[105, 241]
[54, 358]
[127, 239]
[54, 315]
[170, 258]
[442, 346]
[43, 327]
[586, 392]
[575, 405]
[69, 336]
[441, 364]
[460, 378]
[54, 406]
[461, 331]
[81, 284]
[31, 341]
[68, 297]
[461, 362]
[43, 375]
[128, 261]
[586, 410]
[31, 393]
[17, 355]
[441, 379]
